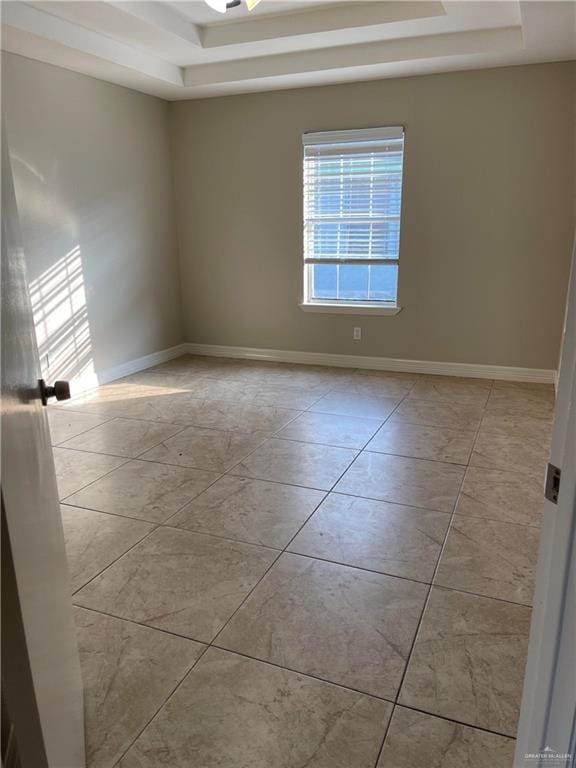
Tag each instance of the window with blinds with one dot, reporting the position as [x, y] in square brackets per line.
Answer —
[352, 200]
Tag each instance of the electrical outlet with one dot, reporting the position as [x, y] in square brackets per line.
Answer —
[357, 334]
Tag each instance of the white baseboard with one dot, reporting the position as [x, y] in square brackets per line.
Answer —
[503, 373]
[91, 379]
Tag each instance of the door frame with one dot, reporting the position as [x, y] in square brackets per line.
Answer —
[548, 711]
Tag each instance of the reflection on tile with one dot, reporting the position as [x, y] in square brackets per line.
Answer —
[94, 540]
[518, 424]
[341, 624]
[122, 392]
[490, 558]
[509, 395]
[183, 582]
[439, 413]
[280, 395]
[245, 417]
[148, 404]
[520, 454]
[417, 740]
[527, 388]
[209, 449]
[67, 424]
[493, 494]
[232, 712]
[417, 483]
[144, 490]
[175, 380]
[307, 464]
[250, 510]
[301, 375]
[401, 541]
[452, 389]
[401, 377]
[198, 408]
[327, 428]
[284, 396]
[128, 672]
[195, 364]
[423, 442]
[123, 437]
[378, 386]
[468, 660]
[75, 469]
[365, 406]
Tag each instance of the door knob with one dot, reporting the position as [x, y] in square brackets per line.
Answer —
[60, 390]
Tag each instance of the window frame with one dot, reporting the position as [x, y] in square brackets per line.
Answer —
[348, 306]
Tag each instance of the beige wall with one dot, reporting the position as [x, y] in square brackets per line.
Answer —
[488, 215]
[94, 188]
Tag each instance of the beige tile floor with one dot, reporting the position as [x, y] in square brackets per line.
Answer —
[280, 566]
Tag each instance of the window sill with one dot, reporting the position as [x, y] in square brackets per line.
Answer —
[344, 309]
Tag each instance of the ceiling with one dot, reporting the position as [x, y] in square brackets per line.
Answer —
[183, 49]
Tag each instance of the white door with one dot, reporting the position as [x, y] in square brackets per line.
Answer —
[41, 682]
[547, 726]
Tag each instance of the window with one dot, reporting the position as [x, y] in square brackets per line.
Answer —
[352, 198]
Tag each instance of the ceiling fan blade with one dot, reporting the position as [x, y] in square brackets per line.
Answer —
[251, 4]
[217, 5]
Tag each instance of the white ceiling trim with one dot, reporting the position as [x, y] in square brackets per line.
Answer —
[164, 18]
[362, 55]
[168, 49]
[28, 19]
[359, 14]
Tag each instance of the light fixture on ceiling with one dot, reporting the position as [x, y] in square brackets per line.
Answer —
[223, 5]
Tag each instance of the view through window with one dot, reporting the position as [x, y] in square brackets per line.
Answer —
[352, 204]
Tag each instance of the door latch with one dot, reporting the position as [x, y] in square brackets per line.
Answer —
[552, 487]
[60, 390]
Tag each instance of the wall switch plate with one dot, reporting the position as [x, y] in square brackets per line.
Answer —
[357, 334]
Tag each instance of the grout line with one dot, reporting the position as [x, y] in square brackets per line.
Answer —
[110, 514]
[266, 662]
[388, 501]
[429, 595]
[141, 624]
[128, 458]
[245, 655]
[386, 730]
[140, 519]
[110, 564]
[280, 550]
[164, 702]
[457, 722]
[222, 538]
[109, 472]
[218, 633]
[280, 553]
[179, 422]
[82, 432]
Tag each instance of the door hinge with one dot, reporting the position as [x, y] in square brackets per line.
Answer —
[552, 487]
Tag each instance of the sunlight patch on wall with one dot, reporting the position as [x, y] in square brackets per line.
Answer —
[61, 319]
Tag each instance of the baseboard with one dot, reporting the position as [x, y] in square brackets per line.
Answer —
[141, 363]
[503, 373]
[92, 379]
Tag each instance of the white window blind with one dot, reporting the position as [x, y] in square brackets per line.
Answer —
[352, 200]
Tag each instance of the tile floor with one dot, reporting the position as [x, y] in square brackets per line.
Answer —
[279, 566]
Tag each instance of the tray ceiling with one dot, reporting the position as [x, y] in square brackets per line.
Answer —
[183, 49]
